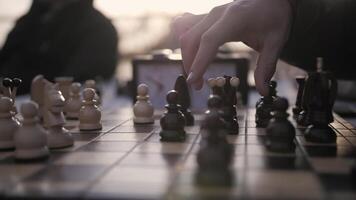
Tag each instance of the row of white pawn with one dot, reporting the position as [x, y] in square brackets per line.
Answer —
[30, 139]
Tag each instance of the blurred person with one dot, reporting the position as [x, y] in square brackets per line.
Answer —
[60, 38]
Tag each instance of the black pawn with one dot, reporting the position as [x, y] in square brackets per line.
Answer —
[215, 154]
[184, 99]
[264, 108]
[280, 131]
[172, 121]
[7, 84]
[273, 91]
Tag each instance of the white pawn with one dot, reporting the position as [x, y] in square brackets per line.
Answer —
[30, 138]
[58, 136]
[211, 83]
[92, 84]
[235, 82]
[143, 109]
[220, 81]
[74, 102]
[89, 114]
[8, 124]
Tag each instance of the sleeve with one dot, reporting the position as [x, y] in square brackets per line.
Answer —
[323, 28]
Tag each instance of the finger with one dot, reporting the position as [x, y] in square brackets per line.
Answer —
[222, 31]
[266, 65]
[190, 40]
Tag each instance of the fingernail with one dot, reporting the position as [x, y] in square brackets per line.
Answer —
[190, 77]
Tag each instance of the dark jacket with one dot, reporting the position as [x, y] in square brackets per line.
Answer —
[324, 28]
[77, 40]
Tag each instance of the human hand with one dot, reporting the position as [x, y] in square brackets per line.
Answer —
[264, 25]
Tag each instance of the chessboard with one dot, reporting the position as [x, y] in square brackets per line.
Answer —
[127, 161]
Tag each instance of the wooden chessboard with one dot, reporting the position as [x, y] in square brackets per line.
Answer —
[124, 161]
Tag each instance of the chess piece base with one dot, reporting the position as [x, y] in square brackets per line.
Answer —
[296, 111]
[143, 120]
[189, 118]
[4, 145]
[280, 145]
[60, 139]
[262, 123]
[29, 154]
[70, 115]
[90, 127]
[172, 136]
[232, 127]
[320, 134]
[214, 177]
[302, 119]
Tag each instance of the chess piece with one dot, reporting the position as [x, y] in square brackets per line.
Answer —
[353, 171]
[64, 84]
[302, 117]
[219, 88]
[229, 104]
[184, 99]
[215, 103]
[37, 92]
[172, 121]
[74, 102]
[320, 92]
[212, 84]
[92, 84]
[280, 131]
[298, 103]
[143, 109]
[30, 138]
[215, 155]
[58, 136]
[9, 88]
[8, 124]
[273, 91]
[7, 84]
[89, 114]
[264, 109]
